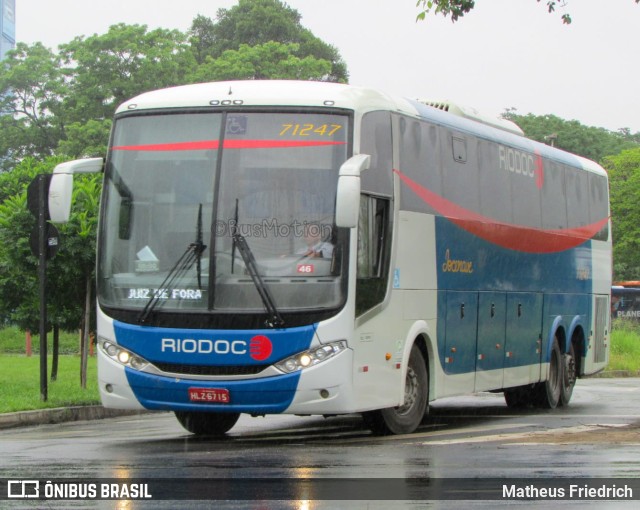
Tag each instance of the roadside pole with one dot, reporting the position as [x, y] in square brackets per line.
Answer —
[43, 189]
[44, 242]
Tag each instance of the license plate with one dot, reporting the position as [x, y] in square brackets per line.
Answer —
[209, 395]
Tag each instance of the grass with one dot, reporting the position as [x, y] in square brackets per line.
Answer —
[13, 341]
[20, 375]
[20, 383]
[625, 347]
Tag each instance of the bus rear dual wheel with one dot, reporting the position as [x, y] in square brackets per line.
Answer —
[556, 390]
[407, 417]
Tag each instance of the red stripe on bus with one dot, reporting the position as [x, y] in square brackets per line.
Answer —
[507, 235]
[277, 144]
[228, 144]
[203, 145]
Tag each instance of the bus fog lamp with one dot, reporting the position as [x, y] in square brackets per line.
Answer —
[311, 357]
[290, 365]
[322, 354]
[137, 363]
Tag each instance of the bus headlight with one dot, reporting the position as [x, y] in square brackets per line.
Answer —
[311, 357]
[122, 356]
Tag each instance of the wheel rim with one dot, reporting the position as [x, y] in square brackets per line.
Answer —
[411, 391]
[554, 376]
[569, 371]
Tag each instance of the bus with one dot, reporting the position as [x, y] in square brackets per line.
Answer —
[322, 249]
[625, 301]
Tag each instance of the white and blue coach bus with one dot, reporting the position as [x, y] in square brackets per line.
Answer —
[318, 249]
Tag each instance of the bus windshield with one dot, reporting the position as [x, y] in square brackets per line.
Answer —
[182, 189]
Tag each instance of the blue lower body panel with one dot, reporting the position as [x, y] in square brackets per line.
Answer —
[267, 395]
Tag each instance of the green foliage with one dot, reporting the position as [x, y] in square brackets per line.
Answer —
[256, 23]
[68, 271]
[86, 140]
[18, 267]
[62, 103]
[31, 91]
[13, 341]
[105, 70]
[458, 8]
[454, 8]
[263, 62]
[624, 184]
[625, 347]
[202, 38]
[590, 142]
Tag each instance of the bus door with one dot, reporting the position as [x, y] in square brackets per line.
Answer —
[491, 340]
[523, 345]
[461, 330]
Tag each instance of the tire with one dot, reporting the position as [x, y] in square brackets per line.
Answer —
[207, 424]
[407, 417]
[548, 392]
[568, 380]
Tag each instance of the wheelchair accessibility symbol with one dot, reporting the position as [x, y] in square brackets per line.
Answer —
[236, 125]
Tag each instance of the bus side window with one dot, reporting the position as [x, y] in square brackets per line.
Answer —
[373, 251]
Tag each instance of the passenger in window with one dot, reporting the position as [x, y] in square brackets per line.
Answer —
[316, 246]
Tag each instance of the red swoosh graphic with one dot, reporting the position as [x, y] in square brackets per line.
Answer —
[506, 235]
[205, 145]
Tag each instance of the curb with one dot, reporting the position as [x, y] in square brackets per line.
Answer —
[612, 374]
[61, 415]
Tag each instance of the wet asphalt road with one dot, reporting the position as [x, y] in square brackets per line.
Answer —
[467, 437]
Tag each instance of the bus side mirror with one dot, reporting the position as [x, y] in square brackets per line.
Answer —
[61, 186]
[348, 192]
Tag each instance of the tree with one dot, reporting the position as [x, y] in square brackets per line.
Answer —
[258, 22]
[105, 70]
[202, 38]
[458, 8]
[68, 271]
[570, 135]
[57, 106]
[31, 93]
[63, 103]
[263, 62]
[624, 184]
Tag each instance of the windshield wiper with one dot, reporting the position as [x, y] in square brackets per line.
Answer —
[274, 319]
[193, 254]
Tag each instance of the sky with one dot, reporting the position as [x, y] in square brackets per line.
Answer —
[503, 54]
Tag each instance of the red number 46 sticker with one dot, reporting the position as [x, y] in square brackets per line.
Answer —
[305, 268]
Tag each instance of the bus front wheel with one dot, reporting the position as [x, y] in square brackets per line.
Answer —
[407, 417]
[207, 424]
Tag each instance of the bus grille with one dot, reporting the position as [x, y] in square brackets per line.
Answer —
[175, 368]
